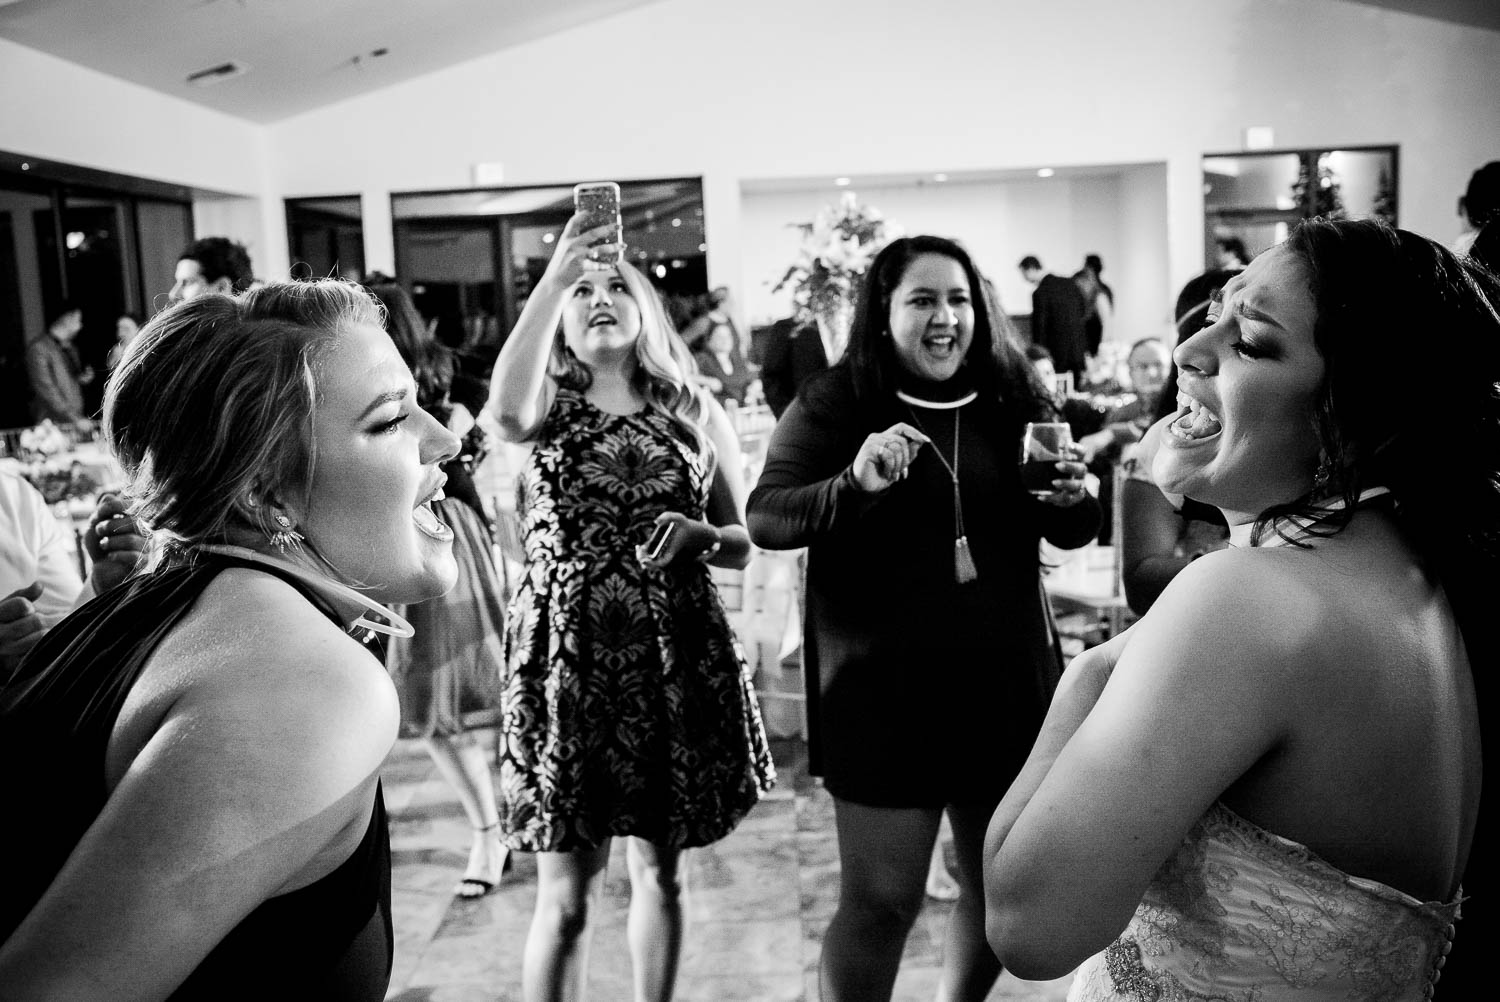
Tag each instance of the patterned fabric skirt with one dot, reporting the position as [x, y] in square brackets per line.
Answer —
[447, 676]
[628, 710]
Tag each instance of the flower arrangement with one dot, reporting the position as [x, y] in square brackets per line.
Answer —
[45, 439]
[58, 479]
[837, 247]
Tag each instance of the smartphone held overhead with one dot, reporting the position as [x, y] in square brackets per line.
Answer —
[599, 204]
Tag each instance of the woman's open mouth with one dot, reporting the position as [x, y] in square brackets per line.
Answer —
[941, 346]
[1194, 422]
[427, 521]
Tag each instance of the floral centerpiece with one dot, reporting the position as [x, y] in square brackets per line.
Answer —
[46, 465]
[837, 247]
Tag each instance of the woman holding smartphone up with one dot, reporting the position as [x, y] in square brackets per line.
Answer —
[627, 707]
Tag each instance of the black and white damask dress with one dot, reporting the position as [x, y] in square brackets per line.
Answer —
[627, 705]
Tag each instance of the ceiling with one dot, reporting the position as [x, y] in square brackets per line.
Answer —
[303, 54]
[298, 54]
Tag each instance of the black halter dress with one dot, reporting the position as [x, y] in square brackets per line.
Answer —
[330, 940]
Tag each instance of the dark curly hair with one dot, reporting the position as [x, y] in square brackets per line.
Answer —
[220, 257]
[1433, 440]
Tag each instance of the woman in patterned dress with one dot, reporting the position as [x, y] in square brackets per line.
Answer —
[627, 707]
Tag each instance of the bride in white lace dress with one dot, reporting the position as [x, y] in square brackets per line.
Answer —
[1268, 788]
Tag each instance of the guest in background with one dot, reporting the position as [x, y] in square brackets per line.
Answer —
[1081, 414]
[1231, 254]
[39, 563]
[127, 326]
[793, 354]
[1147, 364]
[1269, 786]
[1479, 205]
[57, 375]
[447, 676]
[207, 822]
[1058, 310]
[1124, 425]
[1098, 300]
[1485, 249]
[1160, 535]
[928, 654]
[719, 313]
[628, 706]
[722, 368]
[212, 264]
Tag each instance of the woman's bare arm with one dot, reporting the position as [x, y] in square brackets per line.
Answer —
[258, 779]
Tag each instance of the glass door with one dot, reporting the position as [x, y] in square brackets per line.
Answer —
[100, 264]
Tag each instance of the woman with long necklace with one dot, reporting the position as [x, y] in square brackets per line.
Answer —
[927, 649]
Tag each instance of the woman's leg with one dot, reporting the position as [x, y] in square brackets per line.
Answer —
[970, 967]
[656, 918]
[463, 764]
[568, 885]
[883, 858]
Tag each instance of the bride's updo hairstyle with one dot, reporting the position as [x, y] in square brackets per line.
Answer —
[211, 410]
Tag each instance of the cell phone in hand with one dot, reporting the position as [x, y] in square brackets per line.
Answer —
[599, 203]
[660, 536]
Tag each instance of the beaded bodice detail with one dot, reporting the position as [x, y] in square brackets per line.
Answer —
[1239, 914]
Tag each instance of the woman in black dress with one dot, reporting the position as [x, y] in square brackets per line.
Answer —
[202, 745]
[927, 648]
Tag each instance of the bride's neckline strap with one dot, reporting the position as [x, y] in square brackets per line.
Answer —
[1240, 535]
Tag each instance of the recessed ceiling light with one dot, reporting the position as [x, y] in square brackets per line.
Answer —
[1045, 172]
[842, 182]
[547, 238]
[940, 177]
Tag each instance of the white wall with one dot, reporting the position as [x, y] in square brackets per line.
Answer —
[1059, 219]
[797, 88]
[56, 110]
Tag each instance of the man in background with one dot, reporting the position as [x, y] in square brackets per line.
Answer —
[212, 264]
[1058, 315]
[1478, 205]
[1230, 254]
[792, 353]
[57, 376]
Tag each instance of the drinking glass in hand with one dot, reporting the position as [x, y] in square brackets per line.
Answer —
[1042, 447]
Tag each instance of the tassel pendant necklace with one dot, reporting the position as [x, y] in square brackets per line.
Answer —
[964, 570]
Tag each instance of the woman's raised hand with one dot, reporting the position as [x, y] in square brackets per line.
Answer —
[573, 247]
[886, 455]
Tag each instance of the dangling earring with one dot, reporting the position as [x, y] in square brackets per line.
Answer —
[1323, 475]
[285, 537]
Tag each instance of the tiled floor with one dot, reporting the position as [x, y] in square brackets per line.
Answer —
[757, 904]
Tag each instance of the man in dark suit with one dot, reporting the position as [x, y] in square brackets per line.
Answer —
[792, 353]
[1058, 315]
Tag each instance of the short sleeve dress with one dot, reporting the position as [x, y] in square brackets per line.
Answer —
[627, 706]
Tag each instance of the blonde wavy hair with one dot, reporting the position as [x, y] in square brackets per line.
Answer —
[664, 375]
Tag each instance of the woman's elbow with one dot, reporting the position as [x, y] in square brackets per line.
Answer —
[514, 426]
[1025, 950]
